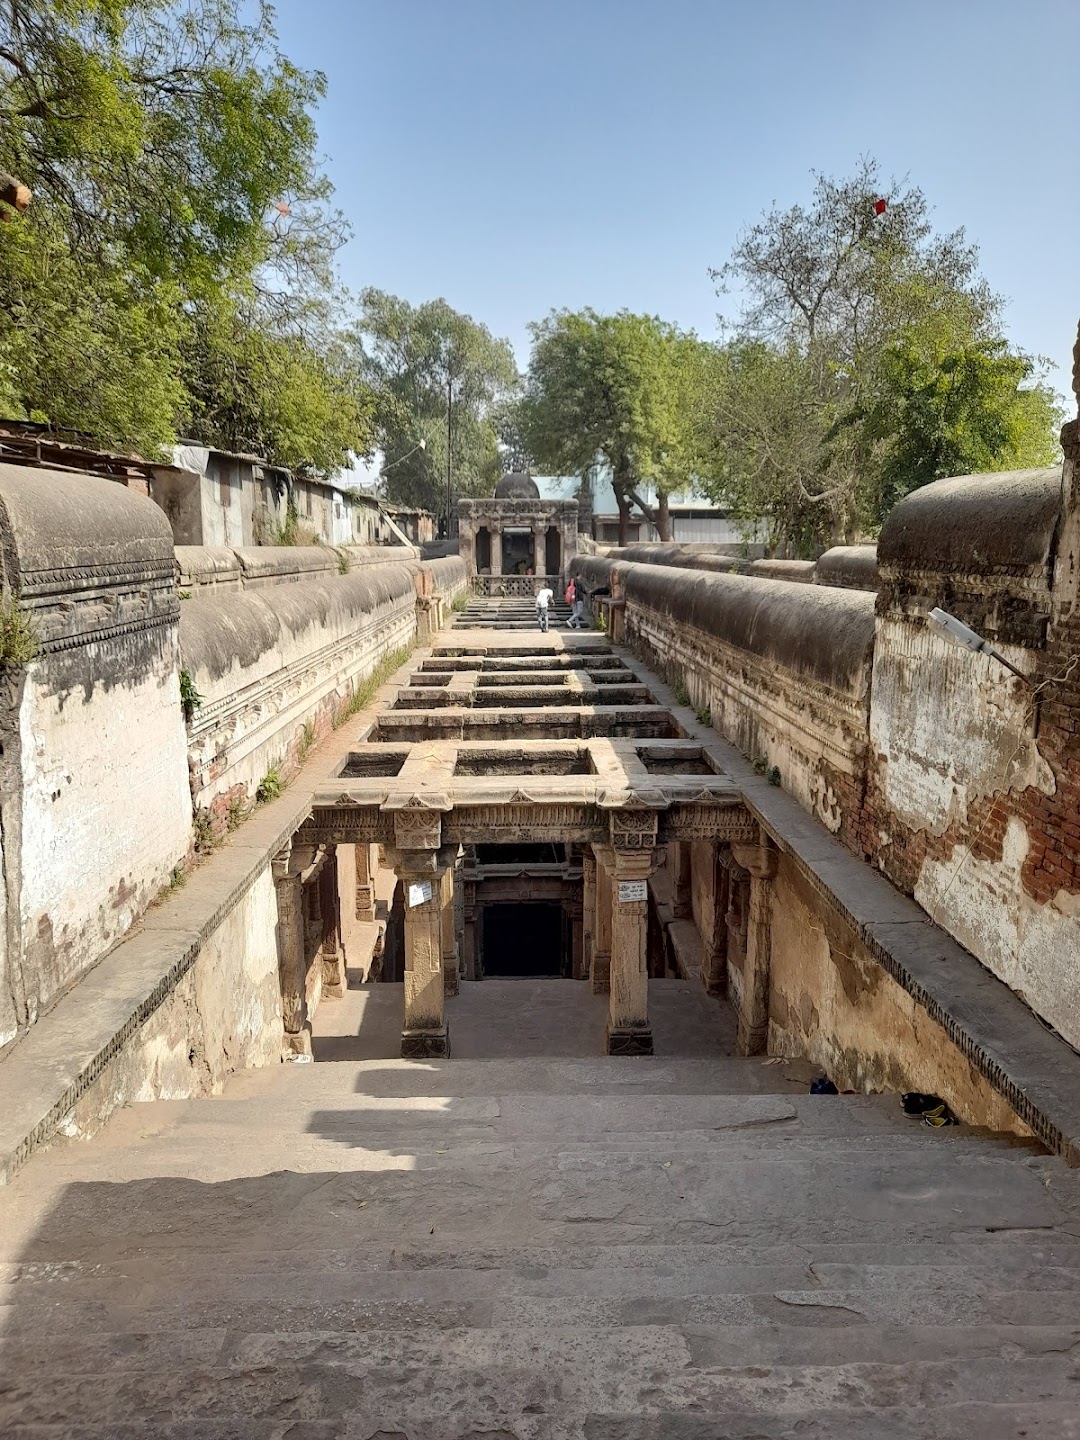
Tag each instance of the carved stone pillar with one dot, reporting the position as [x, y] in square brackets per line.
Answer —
[539, 550]
[450, 958]
[628, 1031]
[469, 957]
[588, 910]
[577, 940]
[332, 952]
[348, 919]
[601, 956]
[421, 872]
[365, 884]
[496, 549]
[714, 966]
[752, 1036]
[682, 899]
[287, 869]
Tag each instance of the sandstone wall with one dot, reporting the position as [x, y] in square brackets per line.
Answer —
[972, 800]
[248, 568]
[94, 803]
[275, 665]
[957, 780]
[782, 669]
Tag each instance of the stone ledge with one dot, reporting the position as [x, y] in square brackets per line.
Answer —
[1031, 1067]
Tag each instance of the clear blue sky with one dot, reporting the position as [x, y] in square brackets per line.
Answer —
[519, 155]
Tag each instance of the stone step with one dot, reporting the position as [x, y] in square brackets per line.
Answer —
[613, 1398]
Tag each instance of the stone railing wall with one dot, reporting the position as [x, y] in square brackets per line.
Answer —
[783, 670]
[94, 805]
[956, 779]
[275, 667]
[202, 567]
[845, 567]
[98, 770]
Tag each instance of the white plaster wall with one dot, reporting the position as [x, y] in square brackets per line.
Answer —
[947, 726]
[227, 1009]
[1034, 948]
[106, 812]
[9, 1020]
[224, 1015]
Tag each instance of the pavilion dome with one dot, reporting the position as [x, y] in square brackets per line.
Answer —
[517, 486]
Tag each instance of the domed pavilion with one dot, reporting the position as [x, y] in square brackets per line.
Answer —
[516, 533]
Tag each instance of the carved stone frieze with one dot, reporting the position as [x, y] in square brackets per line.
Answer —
[633, 829]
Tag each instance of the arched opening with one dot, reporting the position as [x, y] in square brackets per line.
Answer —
[483, 550]
[553, 551]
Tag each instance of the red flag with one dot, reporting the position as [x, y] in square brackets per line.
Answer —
[880, 206]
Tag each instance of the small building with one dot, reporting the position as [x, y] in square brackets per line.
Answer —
[215, 497]
[516, 532]
[418, 525]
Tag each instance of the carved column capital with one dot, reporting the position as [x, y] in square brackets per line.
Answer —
[633, 830]
[760, 860]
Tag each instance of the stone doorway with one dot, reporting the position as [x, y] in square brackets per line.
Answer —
[518, 552]
[524, 940]
[553, 551]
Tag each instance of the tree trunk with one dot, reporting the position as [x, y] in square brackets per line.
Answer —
[624, 516]
[663, 518]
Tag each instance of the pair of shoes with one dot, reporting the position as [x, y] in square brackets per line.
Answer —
[931, 1108]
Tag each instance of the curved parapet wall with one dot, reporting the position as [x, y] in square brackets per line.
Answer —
[688, 557]
[823, 635]
[254, 566]
[93, 791]
[997, 524]
[796, 572]
[274, 667]
[974, 784]
[783, 670]
[849, 567]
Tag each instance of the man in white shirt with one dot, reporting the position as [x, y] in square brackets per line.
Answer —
[543, 600]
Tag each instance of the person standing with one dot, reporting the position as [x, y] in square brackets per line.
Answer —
[576, 600]
[543, 600]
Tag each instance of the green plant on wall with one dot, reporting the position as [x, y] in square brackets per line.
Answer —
[190, 699]
[270, 786]
[19, 643]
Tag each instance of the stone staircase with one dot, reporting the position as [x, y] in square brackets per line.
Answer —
[532, 1241]
[509, 612]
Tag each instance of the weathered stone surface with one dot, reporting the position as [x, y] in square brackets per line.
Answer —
[549, 1249]
[849, 567]
[94, 807]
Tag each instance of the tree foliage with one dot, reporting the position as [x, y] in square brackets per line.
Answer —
[171, 150]
[611, 387]
[429, 364]
[868, 359]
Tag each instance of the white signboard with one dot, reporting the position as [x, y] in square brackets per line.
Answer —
[631, 890]
[419, 893]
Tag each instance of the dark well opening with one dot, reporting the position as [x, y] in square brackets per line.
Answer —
[525, 939]
[486, 761]
[524, 854]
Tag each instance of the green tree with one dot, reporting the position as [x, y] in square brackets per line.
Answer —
[608, 387]
[439, 377]
[262, 388]
[956, 411]
[171, 151]
[864, 313]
